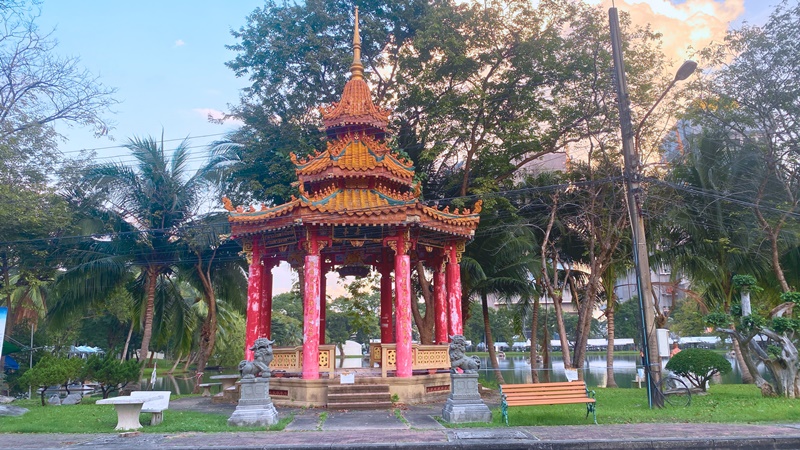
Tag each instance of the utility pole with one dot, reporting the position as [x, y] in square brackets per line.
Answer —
[632, 175]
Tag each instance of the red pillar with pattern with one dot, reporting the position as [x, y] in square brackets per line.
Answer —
[440, 302]
[402, 280]
[312, 272]
[387, 329]
[253, 298]
[454, 290]
[323, 304]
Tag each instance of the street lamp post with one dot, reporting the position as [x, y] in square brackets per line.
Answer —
[632, 175]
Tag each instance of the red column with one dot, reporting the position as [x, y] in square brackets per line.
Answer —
[402, 280]
[440, 302]
[311, 313]
[387, 330]
[323, 304]
[454, 291]
[265, 322]
[253, 300]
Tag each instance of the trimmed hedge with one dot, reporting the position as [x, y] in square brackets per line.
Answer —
[698, 365]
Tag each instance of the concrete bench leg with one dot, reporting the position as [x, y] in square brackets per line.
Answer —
[207, 391]
[128, 416]
[156, 418]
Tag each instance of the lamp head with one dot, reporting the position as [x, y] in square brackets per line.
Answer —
[687, 68]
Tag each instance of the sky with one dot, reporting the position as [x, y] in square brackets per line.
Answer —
[167, 59]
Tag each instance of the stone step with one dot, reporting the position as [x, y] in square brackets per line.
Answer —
[360, 397]
[357, 388]
[360, 405]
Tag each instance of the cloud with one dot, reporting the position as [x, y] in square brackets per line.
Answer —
[216, 115]
[690, 24]
[180, 43]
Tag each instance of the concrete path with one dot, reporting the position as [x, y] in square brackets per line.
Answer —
[415, 428]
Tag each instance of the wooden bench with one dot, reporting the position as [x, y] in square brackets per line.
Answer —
[156, 403]
[546, 394]
[207, 388]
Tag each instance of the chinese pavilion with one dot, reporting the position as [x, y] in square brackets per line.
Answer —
[358, 206]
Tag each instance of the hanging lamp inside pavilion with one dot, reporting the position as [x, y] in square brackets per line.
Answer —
[358, 206]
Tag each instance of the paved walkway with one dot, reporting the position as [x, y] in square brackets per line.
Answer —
[415, 428]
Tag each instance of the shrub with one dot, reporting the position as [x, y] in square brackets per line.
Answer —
[51, 371]
[111, 373]
[698, 365]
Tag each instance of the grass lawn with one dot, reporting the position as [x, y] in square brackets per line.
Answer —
[90, 418]
[723, 404]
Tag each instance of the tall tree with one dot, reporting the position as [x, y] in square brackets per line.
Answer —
[39, 87]
[215, 268]
[753, 96]
[148, 204]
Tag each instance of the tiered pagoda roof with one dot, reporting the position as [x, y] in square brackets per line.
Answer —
[357, 180]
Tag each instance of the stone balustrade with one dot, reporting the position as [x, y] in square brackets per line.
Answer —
[290, 359]
[423, 357]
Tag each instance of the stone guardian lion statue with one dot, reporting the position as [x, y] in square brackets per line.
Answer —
[458, 358]
[259, 366]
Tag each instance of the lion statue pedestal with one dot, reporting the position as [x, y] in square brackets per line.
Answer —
[255, 406]
[464, 404]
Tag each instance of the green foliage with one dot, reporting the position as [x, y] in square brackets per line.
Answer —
[51, 371]
[229, 351]
[774, 351]
[785, 324]
[110, 372]
[791, 296]
[627, 322]
[752, 323]
[746, 283]
[718, 320]
[698, 365]
[686, 319]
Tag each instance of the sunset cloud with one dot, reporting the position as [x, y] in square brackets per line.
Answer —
[215, 114]
[692, 24]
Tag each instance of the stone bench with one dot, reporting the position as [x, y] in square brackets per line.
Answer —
[128, 409]
[156, 403]
[207, 388]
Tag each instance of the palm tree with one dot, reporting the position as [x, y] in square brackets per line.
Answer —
[146, 206]
[217, 271]
[708, 239]
[499, 263]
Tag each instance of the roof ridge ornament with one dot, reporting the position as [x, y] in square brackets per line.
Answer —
[356, 69]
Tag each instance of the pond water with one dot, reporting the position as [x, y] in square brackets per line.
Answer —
[517, 369]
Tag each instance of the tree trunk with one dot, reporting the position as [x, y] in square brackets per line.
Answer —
[208, 332]
[341, 354]
[562, 331]
[127, 342]
[177, 361]
[152, 278]
[489, 340]
[585, 318]
[747, 377]
[611, 382]
[424, 323]
[188, 361]
[534, 341]
[546, 352]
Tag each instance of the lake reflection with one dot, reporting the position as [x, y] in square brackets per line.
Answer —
[517, 369]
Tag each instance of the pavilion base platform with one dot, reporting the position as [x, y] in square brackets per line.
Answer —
[297, 392]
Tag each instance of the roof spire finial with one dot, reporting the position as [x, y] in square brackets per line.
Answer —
[356, 69]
